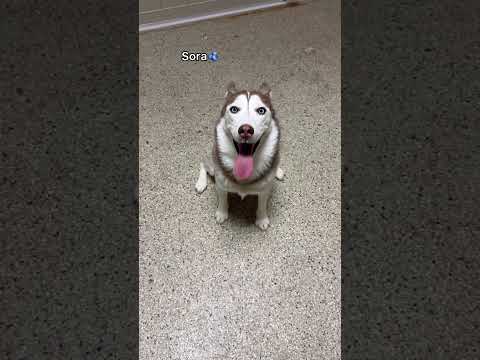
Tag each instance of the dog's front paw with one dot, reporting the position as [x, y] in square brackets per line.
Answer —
[201, 185]
[221, 216]
[263, 223]
[279, 174]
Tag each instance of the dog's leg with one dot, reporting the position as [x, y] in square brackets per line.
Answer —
[222, 210]
[209, 167]
[279, 174]
[202, 181]
[262, 218]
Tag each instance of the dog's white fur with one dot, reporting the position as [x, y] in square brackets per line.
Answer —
[266, 128]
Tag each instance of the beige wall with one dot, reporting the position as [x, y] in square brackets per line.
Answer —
[160, 10]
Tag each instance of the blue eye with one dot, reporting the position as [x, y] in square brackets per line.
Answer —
[234, 109]
[261, 110]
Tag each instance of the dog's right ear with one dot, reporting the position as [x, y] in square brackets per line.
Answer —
[231, 89]
[265, 89]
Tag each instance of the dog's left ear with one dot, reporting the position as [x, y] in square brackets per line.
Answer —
[231, 88]
[265, 89]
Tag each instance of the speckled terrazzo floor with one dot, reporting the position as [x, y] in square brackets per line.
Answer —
[231, 291]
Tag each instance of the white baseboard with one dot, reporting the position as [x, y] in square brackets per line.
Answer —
[213, 15]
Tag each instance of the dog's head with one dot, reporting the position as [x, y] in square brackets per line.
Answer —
[248, 116]
[247, 119]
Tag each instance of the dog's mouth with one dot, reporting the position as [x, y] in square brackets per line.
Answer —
[244, 166]
[246, 149]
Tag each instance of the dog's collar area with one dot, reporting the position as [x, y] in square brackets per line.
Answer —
[246, 149]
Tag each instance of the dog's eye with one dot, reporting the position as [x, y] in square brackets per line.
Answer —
[261, 110]
[234, 109]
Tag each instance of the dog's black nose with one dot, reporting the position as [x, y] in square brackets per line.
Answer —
[245, 131]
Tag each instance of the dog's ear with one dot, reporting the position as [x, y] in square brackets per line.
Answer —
[265, 89]
[231, 88]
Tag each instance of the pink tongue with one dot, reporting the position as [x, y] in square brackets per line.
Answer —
[243, 167]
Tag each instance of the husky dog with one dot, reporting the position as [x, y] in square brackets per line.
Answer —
[245, 152]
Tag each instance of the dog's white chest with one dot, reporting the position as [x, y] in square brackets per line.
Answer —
[243, 189]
